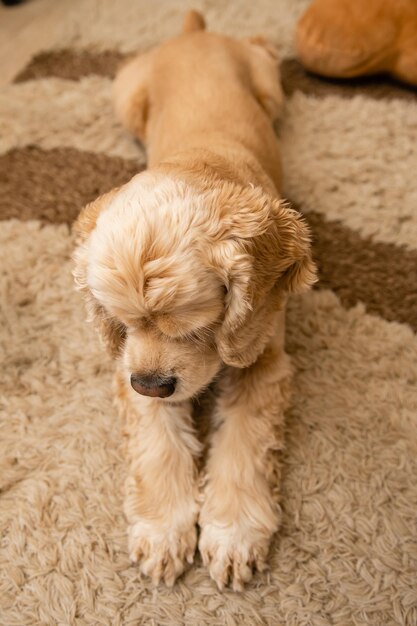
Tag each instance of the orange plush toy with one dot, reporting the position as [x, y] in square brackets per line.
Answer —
[347, 38]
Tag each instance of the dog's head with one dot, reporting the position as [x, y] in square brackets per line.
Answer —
[181, 280]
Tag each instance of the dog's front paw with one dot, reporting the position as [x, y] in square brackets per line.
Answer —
[232, 554]
[161, 552]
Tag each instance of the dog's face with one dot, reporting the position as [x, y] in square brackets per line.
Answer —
[181, 280]
[167, 303]
[146, 268]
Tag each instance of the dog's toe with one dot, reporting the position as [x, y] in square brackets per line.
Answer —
[231, 555]
[161, 553]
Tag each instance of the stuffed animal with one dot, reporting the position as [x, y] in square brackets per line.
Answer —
[347, 38]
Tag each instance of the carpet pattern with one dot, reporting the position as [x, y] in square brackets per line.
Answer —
[346, 553]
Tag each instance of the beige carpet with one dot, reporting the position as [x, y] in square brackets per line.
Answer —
[347, 550]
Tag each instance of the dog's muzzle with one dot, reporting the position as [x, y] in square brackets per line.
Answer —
[153, 385]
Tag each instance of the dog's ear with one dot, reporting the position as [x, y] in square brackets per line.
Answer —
[87, 219]
[111, 332]
[263, 253]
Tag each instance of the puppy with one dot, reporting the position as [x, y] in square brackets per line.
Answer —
[186, 270]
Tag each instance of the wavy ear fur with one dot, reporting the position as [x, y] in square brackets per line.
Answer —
[262, 255]
[111, 332]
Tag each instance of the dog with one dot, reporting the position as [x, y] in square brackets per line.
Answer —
[186, 271]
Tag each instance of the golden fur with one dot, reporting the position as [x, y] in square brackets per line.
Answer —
[186, 270]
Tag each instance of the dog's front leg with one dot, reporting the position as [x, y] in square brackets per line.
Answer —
[240, 512]
[161, 492]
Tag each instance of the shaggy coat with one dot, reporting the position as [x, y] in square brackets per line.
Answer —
[186, 270]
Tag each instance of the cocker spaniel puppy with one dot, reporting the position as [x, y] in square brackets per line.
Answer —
[186, 270]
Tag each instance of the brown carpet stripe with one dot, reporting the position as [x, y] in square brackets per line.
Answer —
[381, 275]
[53, 185]
[378, 87]
[71, 64]
[75, 64]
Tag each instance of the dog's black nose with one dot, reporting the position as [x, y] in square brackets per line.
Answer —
[153, 385]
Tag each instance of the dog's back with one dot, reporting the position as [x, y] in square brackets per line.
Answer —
[201, 89]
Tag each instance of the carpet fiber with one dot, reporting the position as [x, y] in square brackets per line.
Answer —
[346, 553]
